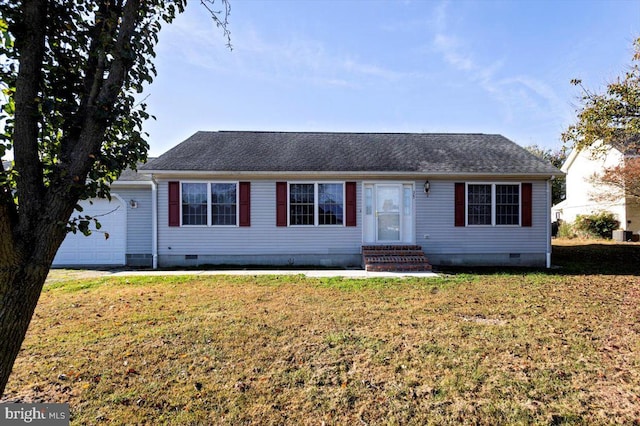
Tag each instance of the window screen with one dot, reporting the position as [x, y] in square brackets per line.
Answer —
[194, 203]
[301, 203]
[479, 204]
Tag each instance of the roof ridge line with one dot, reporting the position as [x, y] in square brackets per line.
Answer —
[347, 133]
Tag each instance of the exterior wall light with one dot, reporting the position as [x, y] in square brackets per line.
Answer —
[427, 187]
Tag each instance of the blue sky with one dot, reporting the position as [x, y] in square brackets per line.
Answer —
[388, 66]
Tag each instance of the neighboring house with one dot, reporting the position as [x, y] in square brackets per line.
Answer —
[294, 198]
[582, 191]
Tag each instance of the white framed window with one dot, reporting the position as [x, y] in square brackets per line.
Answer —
[330, 204]
[224, 204]
[507, 204]
[302, 204]
[316, 203]
[209, 203]
[493, 204]
[194, 203]
[368, 200]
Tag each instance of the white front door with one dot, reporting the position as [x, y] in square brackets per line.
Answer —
[388, 213]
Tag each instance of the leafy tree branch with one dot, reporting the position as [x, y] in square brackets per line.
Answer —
[611, 117]
[70, 74]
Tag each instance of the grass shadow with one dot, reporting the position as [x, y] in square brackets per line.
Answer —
[597, 258]
[572, 258]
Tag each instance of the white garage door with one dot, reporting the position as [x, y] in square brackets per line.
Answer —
[78, 250]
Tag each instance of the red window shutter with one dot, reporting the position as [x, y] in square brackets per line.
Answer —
[459, 204]
[350, 195]
[527, 208]
[245, 203]
[281, 203]
[174, 203]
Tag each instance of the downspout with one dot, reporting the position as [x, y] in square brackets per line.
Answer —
[154, 222]
[548, 218]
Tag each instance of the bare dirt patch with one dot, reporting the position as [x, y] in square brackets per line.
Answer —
[61, 275]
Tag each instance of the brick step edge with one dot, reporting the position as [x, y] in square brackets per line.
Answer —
[396, 259]
[391, 248]
[393, 253]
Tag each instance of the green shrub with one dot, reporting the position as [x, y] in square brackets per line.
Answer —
[565, 230]
[598, 224]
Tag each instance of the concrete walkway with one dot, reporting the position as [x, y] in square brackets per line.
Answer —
[316, 273]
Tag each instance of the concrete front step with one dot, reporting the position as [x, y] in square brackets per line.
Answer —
[392, 258]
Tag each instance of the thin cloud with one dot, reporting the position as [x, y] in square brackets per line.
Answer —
[449, 47]
[514, 92]
[295, 58]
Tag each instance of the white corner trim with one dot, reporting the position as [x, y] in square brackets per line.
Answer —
[154, 224]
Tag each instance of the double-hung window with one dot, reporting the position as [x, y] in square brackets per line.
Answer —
[330, 204]
[301, 204]
[194, 203]
[224, 203]
[209, 203]
[316, 204]
[507, 204]
[493, 204]
[479, 204]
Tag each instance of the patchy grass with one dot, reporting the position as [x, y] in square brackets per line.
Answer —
[507, 348]
[64, 275]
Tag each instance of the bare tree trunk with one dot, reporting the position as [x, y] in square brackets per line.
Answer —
[24, 266]
[51, 177]
[19, 294]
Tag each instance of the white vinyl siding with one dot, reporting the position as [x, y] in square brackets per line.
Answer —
[436, 232]
[434, 229]
[262, 237]
[139, 226]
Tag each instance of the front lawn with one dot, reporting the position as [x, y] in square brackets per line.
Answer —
[515, 348]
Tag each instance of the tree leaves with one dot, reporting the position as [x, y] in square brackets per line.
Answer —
[612, 117]
[557, 159]
[82, 223]
[70, 71]
[81, 51]
[98, 57]
[622, 180]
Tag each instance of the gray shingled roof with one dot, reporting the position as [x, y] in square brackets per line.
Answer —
[428, 153]
[129, 175]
